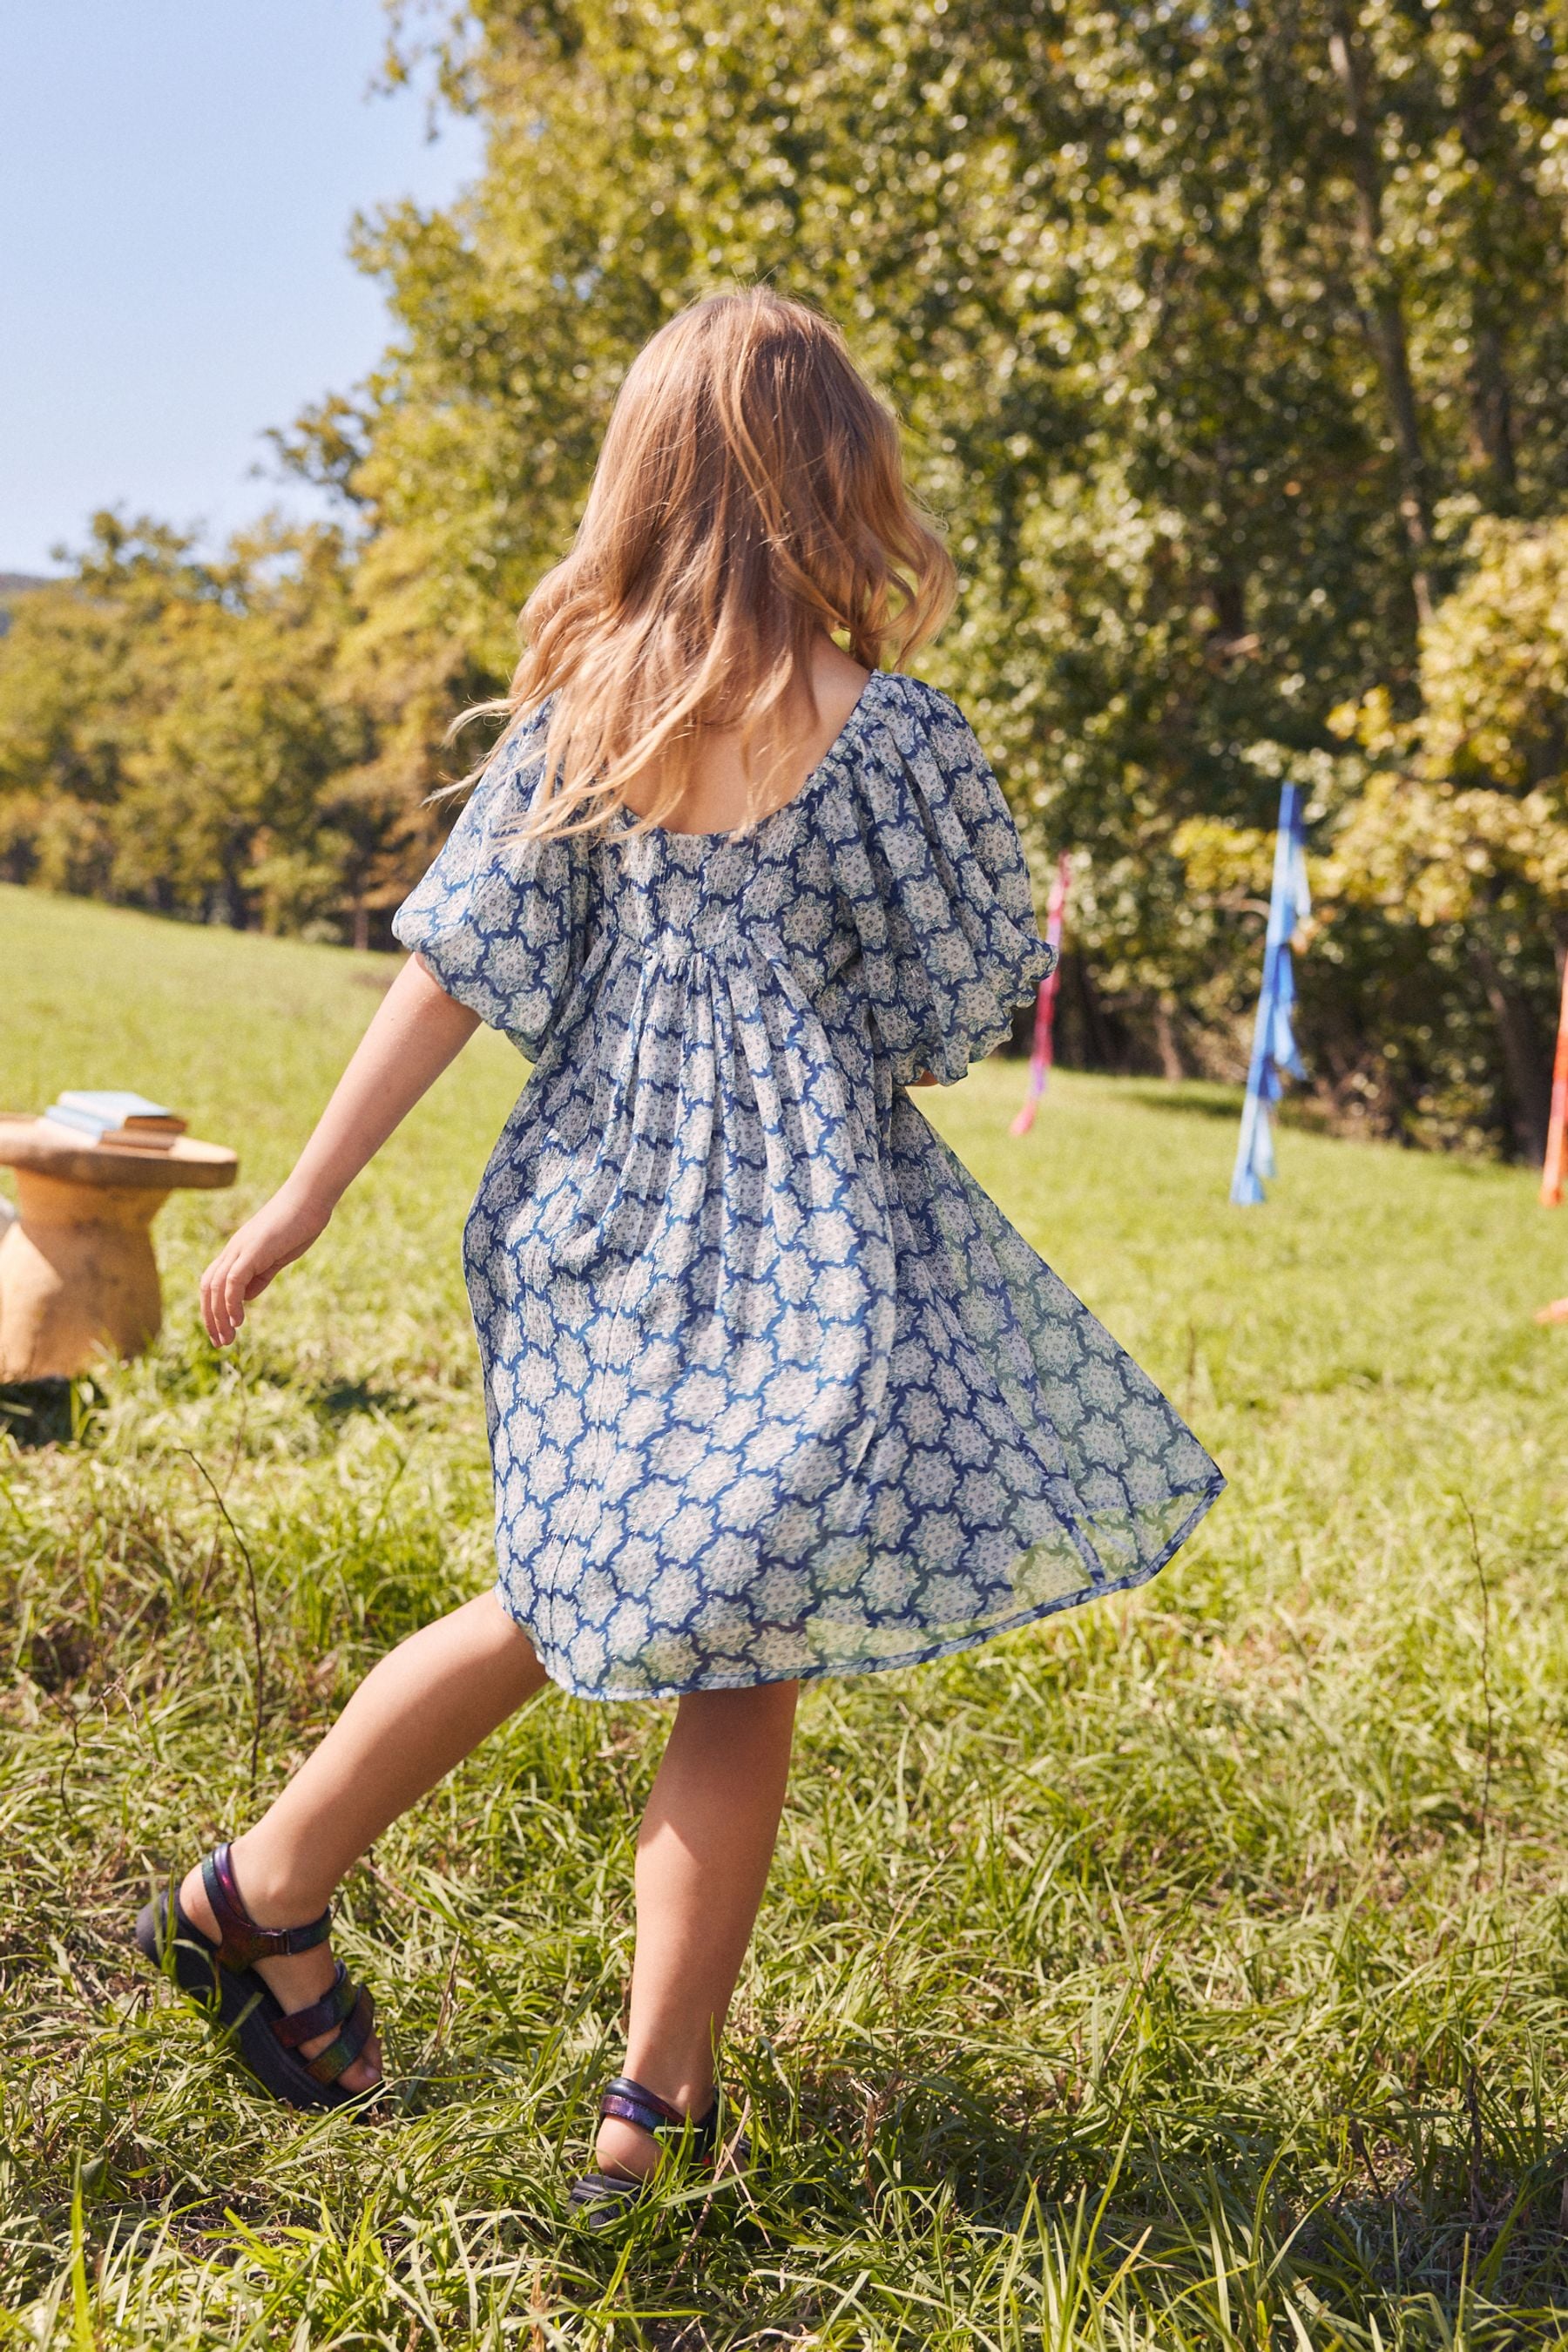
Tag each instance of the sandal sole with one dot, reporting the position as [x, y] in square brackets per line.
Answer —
[599, 2199]
[238, 2003]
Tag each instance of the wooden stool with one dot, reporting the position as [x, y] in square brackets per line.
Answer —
[76, 1270]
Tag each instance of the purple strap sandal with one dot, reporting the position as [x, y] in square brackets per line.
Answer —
[600, 2197]
[221, 1978]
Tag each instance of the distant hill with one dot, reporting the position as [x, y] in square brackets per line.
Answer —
[12, 585]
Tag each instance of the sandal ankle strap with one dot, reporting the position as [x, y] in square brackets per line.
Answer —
[241, 1942]
[634, 2103]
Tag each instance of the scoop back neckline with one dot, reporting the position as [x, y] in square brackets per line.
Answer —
[629, 830]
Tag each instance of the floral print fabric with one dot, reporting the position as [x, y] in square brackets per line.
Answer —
[773, 1389]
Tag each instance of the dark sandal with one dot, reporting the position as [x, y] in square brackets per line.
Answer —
[221, 1978]
[602, 2197]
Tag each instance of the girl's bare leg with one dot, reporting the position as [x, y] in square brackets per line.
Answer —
[704, 1852]
[418, 1713]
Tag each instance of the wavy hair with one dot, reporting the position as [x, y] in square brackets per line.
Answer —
[749, 493]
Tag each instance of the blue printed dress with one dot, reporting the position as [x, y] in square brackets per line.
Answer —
[773, 1388]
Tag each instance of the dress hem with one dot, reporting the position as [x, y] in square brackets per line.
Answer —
[1207, 1496]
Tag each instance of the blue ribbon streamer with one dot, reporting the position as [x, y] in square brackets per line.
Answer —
[1275, 1056]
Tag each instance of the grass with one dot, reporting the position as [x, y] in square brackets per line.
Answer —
[1188, 1971]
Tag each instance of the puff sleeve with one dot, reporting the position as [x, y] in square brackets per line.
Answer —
[500, 918]
[939, 890]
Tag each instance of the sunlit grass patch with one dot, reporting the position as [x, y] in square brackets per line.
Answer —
[1184, 1972]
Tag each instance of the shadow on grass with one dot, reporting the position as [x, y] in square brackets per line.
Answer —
[338, 1401]
[48, 1412]
[1197, 1101]
[1449, 2219]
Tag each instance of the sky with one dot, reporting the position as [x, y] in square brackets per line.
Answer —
[177, 181]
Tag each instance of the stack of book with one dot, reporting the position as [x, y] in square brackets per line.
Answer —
[127, 1122]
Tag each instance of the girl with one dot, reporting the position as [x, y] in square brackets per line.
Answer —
[774, 1390]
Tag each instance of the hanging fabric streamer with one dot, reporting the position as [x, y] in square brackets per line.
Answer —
[1274, 1054]
[1553, 1171]
[1044, 1051]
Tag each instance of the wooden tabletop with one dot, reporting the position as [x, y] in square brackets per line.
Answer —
[38, 1144]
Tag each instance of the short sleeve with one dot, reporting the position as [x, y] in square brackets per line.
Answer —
[501, 917]
[938, 890]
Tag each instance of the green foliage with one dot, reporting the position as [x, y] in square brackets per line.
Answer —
[1454, 822]
[1182, 1975]
[182, 734]
[1214, 331]
[1220, 337]
[1446, 829]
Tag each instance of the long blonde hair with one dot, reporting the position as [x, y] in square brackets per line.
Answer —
[750, 492]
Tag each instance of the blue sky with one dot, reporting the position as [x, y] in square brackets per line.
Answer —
[177, 178]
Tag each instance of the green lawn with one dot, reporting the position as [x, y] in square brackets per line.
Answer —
[1187, 1971]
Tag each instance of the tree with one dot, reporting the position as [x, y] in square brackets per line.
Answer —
[1220, 338]
[177, 734]
[1213, 332]
[1456, 822]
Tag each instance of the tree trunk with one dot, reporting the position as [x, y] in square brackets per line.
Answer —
[1228, 598]
[1492, 413]
[1383, 313]
[1492, 423]
[1086, 1026]
[1526, 1073]
[1166, 1044]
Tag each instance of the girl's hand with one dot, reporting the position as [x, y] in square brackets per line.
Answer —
[417, 1030]
[266, 1243]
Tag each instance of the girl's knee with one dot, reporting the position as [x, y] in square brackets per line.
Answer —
[760, 1710]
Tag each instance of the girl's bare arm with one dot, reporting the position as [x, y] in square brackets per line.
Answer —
[417, 1030]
